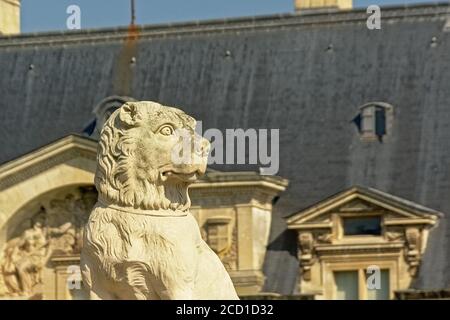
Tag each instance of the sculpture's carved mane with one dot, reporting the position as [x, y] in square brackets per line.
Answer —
[148, 254]
[116, 178]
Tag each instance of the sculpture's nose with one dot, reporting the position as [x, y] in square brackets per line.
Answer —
[202, 147]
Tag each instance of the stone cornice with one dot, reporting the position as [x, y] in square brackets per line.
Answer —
[58, 152]
[64, 260]
[359, 247]
[310, 226]
[220, 26]
[225, 180]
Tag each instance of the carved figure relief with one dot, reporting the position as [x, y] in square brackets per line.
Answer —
[56, 229]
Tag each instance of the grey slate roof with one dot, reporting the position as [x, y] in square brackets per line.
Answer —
[305, 74]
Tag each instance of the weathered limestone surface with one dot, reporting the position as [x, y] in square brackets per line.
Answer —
[37, 243]
[141, 241]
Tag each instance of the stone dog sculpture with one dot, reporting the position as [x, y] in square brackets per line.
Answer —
[141, 242]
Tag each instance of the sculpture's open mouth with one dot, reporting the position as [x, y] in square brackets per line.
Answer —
[185, 177]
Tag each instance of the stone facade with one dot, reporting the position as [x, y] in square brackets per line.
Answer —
[53, 191]
[234, 210]
[54, 194]
[325, 249]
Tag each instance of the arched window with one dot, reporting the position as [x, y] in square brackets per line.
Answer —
[374, 120]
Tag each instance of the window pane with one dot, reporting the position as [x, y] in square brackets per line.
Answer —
[362, 226]
[346, 285]
[380, 122]
[378, 289]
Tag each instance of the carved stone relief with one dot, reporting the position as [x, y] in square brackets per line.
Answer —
[306, 254]
[55, 229]
[230, 259]
[395, 234]
[221, 235]
[413, 238]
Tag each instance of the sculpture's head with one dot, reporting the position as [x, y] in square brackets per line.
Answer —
[148, 155]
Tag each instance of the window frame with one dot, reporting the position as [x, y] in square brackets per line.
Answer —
[379, 217]
[338, 222]
[330, 291]
[368, 110]
[362, 283]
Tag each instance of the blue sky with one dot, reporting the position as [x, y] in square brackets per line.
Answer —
[44, 15]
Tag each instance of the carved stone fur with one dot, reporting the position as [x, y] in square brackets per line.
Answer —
[141, 242]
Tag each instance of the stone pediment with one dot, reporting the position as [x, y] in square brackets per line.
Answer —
[66, 162]
[359, 228]
[53, 154]
[363, 200]
[357, 205]
[45, 198]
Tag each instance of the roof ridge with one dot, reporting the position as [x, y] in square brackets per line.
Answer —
[223, 24]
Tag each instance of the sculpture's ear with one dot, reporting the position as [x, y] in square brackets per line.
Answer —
[130, 114]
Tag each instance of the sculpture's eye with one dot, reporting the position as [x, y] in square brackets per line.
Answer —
[166, 130]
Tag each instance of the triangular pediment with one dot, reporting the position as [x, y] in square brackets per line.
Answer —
[357, 205]
[53, 154]
[361, 200]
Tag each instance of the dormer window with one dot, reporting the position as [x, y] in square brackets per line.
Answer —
[358, 238]
[103, 111]
[365, 226]
[374, 121]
